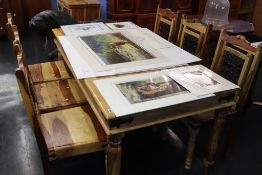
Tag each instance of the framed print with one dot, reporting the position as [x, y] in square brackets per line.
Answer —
[122, 25]
[85, 29]
[112, 51]
[150, 89]
[135, 93]
[201, 80]
[115, 48]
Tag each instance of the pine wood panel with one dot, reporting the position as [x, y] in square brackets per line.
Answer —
[71, 132]
[58, 94]
[48, 71]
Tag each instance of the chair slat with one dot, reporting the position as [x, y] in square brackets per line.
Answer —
[57, 95]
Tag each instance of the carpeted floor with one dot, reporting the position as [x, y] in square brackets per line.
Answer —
[144, 153]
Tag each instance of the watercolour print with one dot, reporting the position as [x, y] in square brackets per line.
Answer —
[199, 78]
[114, 48]
[150, 89]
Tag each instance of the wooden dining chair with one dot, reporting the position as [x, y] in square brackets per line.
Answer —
[52, 95]
[63, 133]
[194, 36]
[42, 72]
[237, 61]
[167, 23]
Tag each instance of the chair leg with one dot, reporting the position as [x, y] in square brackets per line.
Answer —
[233, 126]
[216, 131]
[193, 133]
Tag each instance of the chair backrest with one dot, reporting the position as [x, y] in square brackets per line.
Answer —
[167, 23]
[23, 84]
[236, 60]
[20, 57]
[9, 26]
[194, 36]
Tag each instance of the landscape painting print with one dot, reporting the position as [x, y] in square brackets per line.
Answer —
[200, 78]
[114, 48]
[150, 89]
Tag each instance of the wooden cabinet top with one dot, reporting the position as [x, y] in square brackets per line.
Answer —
[79, 2]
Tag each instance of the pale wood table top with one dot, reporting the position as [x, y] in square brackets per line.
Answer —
[115, 125]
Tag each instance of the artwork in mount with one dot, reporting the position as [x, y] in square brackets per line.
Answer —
[115, 48]
[200, 78]
[85, 29]
[150, 89]
[122, 25]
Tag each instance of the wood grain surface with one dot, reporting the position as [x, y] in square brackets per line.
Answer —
[48, 71]
[56, 95]
[71, 132]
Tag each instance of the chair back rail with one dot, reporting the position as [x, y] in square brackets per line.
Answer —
[171, 20]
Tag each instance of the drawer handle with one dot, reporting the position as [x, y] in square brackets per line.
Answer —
[1, 28]
[14, 14]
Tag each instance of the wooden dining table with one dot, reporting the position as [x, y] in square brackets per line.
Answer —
[115, 127]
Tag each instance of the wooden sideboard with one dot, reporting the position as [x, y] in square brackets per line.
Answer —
[15, 8]
[81, 10]
[142, 12]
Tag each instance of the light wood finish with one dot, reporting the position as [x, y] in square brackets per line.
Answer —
[107, 117]
[26, 94]
[194, 36]
[169, 18]
[52, 95]
[81, 10]
[49, 71]
[57, 95]
[71, 132]
[115, 126]
[10, 28]
[15, 10]
[42, 72]
[229, 49]
[65, 133]
[250, 57]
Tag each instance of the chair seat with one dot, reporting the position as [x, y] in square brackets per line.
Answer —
[71, 132]
[48, 71]
[56, 95]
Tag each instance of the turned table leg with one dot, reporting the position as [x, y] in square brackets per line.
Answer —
[113, 155]
[216, 131]
[193, 132]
